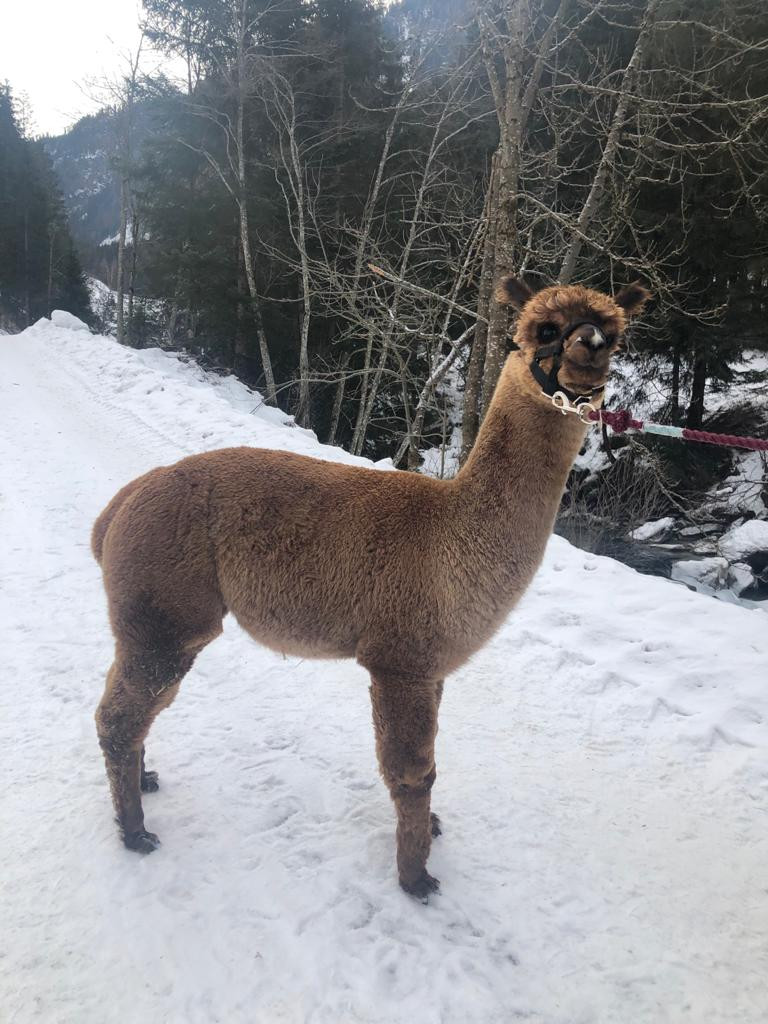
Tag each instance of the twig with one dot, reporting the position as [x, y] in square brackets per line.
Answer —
[425, 291]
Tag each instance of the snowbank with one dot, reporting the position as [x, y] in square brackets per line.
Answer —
[167, 392]
[60, 318]
[602, 775]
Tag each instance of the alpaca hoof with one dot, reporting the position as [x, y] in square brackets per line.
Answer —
[436, 826]
[150, 783]
[141, 841]
[422, 887]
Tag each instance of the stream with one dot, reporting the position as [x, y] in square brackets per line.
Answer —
[648, 557]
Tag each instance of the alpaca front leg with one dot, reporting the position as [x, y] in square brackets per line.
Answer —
[405, 720]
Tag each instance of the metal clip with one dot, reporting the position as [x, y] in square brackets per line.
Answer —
[582, 409]
[560, 401]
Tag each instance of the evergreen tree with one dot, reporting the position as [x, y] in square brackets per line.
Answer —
[39, 267]
[445, 142]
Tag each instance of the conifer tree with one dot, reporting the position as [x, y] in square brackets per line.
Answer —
[39, 267]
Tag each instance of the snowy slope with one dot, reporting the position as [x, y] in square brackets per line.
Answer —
[602, 775]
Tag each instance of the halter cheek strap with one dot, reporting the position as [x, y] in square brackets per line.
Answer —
[548, 381]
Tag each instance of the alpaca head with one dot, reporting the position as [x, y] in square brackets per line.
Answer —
[576, 327]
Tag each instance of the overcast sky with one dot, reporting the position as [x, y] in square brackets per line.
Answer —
[49, 48]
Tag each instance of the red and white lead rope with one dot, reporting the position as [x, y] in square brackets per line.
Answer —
[622, 420]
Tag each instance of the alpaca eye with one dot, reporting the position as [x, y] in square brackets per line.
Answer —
[548, 332]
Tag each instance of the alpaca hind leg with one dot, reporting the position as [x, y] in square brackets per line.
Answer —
[158, 639]
[405, 720]
[137, 690]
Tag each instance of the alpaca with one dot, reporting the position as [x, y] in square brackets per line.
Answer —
[407, 574]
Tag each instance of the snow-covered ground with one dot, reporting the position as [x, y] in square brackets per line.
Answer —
[602, 775]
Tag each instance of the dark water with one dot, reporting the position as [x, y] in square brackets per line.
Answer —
[602, 539]
[651, 559]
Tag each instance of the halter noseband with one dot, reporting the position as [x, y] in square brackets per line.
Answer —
[548, 381]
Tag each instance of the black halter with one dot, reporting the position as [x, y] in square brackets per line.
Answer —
[548, 381]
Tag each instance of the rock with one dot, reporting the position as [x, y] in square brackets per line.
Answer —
[653, 530]
[702, 530]
[711, 572]
[706, 547]
[740, 577]
[745, 541]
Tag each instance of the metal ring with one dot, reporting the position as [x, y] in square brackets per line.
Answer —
[588, 408]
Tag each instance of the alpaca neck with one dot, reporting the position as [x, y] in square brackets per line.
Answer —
[512, 482]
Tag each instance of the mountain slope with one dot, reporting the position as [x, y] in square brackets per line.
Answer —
[602, 774]
[81, 160]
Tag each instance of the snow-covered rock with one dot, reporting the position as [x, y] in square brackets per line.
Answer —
[745, 540]
[711, 572]
[653, 530]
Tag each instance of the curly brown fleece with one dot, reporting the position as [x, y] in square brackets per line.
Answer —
[407, 574]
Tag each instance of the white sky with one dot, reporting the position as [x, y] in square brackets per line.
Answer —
[50, 48]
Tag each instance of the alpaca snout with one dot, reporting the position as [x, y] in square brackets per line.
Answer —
[591, 337]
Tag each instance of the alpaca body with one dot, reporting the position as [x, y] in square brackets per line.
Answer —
[409, 575]
[324, 560]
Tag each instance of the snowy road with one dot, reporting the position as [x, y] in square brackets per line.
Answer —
[602, 776]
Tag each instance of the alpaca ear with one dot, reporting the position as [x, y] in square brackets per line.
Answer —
[511, 291]
[632, 298]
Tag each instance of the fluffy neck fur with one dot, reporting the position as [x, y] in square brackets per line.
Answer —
[513, 481]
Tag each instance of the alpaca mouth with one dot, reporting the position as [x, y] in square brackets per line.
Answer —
[580, 378]
[584, 365]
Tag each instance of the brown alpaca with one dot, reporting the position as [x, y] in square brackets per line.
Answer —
[407, 574]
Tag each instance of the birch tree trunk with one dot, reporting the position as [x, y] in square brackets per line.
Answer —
[514, 92]
[120, 314]
[338, 399]
[364, 418]
[507, 95]
[242, 207]
[135, 232]
[470, 422]
[363, 241]
[126, 96]
[51, 246]
[266, 362]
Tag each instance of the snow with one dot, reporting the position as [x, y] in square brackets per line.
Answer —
[652, 529]
[60, 318]
[711, 572]
[745, 540]
[99, 292]
[602, 775]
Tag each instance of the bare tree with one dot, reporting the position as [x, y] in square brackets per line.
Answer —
[231, 168]
[126, 95]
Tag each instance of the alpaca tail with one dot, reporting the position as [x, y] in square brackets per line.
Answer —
[104, 521]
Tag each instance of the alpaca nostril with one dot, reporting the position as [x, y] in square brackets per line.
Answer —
[594, 339]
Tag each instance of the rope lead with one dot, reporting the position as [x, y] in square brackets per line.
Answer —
[622, 420]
